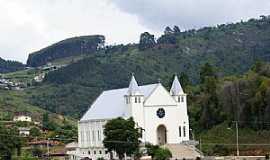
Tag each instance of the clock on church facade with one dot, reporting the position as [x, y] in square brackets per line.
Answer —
[161, 113]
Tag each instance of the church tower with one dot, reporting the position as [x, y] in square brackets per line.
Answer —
[181, 98]
[134, 101]
[178, 94]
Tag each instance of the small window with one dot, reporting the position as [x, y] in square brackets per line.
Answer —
[89, 152]
[182, 98]
[135, 99]
[95, 152]
[93, 135]
[184, 131]
[99, 137]
[100, 152]
[126, 100]
[180, 132]
[139, 98]
[178, 99]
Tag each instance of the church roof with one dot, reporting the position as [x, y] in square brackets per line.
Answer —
[176, 88]
[133, 88]
[111, 104]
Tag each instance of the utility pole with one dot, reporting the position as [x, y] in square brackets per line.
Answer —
[237, 139]
[200, 143]
[48, 147]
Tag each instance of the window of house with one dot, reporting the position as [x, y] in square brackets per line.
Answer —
[126, 100]
[180, 132]
[139, 99]
[89, 152]
[93, 135]
[182, 98]
[100, 152]
[135, 99]
[99, 137]
[184, 131]
[178, 99]
[82, 137]
[95, 152]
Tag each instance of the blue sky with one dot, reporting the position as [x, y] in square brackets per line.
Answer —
[29, 25]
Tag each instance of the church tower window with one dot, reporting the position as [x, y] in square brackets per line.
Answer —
[180, 133]
[93, 135]
[135, 99]
[99, 138]
[126, 100]
[178, 99]
[184, 131]
[182, 98]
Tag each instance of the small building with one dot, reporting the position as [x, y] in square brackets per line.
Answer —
[24, 131]
[22, 117]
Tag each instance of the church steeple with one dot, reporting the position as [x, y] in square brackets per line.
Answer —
[133, 88]
[176, 88]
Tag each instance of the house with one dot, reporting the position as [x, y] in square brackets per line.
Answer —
[161, 114]
[23, 117]
[24, 131]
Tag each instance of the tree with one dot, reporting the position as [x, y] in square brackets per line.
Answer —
[157, 152]
[184, 79]
[168, 30]
[45, 120]
[147, 40]
[9, 142]
[35, 132]
[121, 136]
[162, 154]
[176, 29]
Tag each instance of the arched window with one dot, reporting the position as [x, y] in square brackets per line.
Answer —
[178, 99]
[180, 131]
[182, 98]
[184, 131]
[135, 99]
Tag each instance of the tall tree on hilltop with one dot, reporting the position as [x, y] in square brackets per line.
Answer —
[147, 40]
[168, 30]
[176, 29]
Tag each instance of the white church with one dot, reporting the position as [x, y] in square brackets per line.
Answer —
[161, 114]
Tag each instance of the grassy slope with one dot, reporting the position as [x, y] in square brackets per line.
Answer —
[12, 102]
[221, 140]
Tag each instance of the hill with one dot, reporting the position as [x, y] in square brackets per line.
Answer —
[10, 66]
[232, 48]
[66, 48]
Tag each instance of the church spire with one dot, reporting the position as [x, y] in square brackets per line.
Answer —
[133, 88]
[176, 88]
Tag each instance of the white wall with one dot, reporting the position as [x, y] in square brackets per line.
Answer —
[175, 116]
[22, 118]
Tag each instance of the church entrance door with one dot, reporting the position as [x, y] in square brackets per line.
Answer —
[161, 135]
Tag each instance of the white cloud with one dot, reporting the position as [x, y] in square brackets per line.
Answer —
[30, 25]
[187, 14]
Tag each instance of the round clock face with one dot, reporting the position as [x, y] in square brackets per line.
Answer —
[160, 112]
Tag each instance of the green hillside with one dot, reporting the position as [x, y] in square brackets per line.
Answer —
[66, 48]
[232, 48]
[10, 66]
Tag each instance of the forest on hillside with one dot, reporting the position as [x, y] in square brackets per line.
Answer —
[66, 48]
[231, 48]
[10, 66]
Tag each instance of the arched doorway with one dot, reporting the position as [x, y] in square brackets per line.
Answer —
[161, 135]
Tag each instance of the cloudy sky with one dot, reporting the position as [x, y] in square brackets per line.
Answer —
[29, 25]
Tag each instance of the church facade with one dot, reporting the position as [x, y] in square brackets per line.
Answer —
[161, 114]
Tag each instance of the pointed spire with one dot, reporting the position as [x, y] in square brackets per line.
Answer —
[133, 88]
[176, 88]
